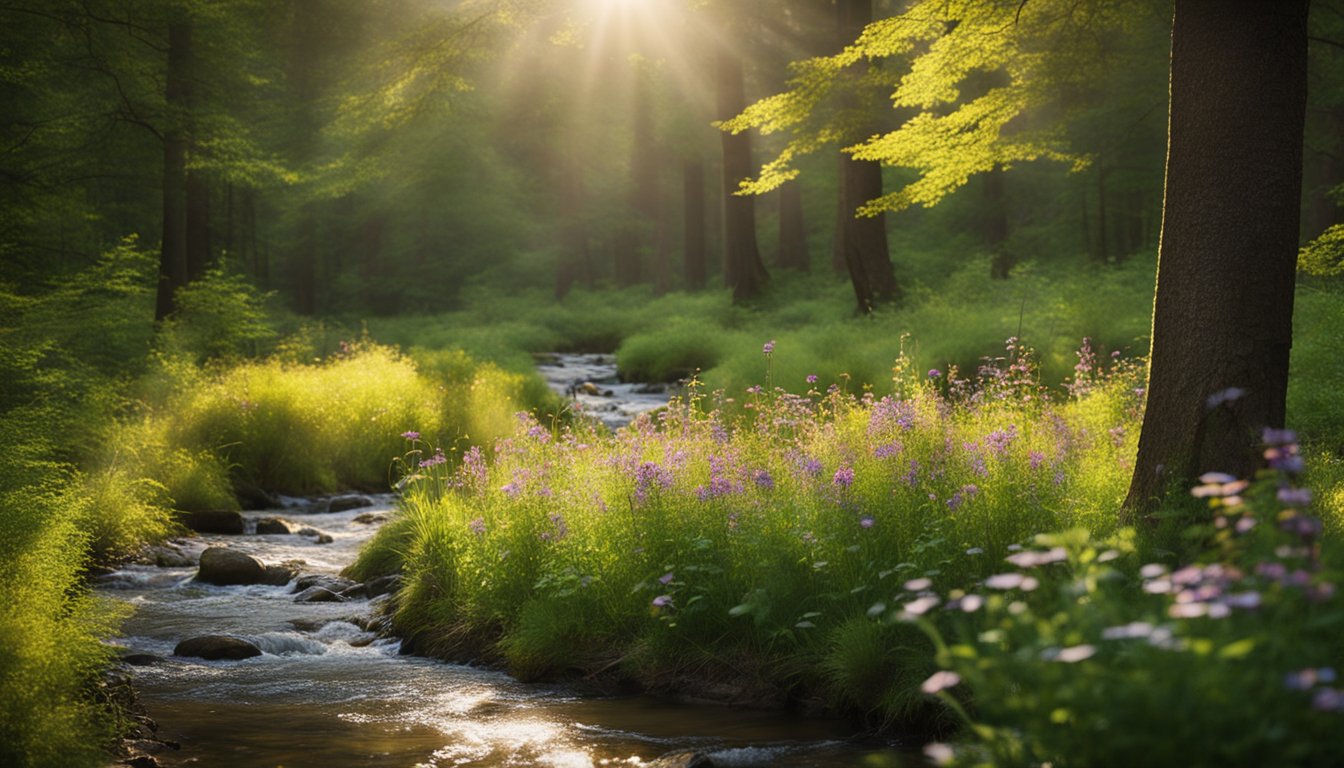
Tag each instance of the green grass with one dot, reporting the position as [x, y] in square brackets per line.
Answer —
[708, 538]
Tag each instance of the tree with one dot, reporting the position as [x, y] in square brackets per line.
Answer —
[1222, 316]
[743, 269]
[862, 239]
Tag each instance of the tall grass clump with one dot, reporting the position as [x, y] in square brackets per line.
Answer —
[51, 654]
[742, 537]
[303, 428]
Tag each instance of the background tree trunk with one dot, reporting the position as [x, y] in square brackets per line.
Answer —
[1222, 318]
[743, 269]
[173, 265]
[996, 225]
[863, 239]
[792, 230]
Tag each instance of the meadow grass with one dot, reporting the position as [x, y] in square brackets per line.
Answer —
[744, 536]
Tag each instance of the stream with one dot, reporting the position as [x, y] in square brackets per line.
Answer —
[325, 692]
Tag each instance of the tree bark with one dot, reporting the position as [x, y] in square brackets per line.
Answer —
[173, 264]
[863, 239]
[792, 229]
[1222, 316]
[743, 269]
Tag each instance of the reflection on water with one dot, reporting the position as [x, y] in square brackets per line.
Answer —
[325, 693]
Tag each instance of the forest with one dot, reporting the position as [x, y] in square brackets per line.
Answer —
[671, 382]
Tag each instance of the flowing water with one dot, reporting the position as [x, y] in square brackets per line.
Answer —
[592, 383]
[326, 693]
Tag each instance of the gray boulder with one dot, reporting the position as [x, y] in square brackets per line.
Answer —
[224, 566]
[346, 503]
[273, 525]
[214, 647]
[320, 537]
[226, 521]
[382, 585]
[319, 595]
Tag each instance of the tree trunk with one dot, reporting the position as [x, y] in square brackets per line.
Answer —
[743, 269]
[996, 225]
[1222, 317]
[792, 231]
[693, 255]
[863, 239]
[173, 264]
[198, 223]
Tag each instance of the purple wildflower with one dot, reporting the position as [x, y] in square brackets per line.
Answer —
[411, 435]
[662, 601]
[763, 480]
[844, 477]
[934, 373]
[866, 521]
[768, 347]
[811, 378]
[477, 526]
[666, 578]
[1295, 497]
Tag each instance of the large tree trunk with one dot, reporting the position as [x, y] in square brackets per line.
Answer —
[792, 231]
[173, 264]
[743, 269]
[1222, 318]
[863, 239]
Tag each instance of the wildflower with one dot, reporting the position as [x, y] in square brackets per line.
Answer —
[662, 601]
[477, 526]
[917, 585]
[666, 578]
[1328, 700]
[934, 373]
[888, 450]
[755, 389]
[1070, 655]
[768, 347]
[811, 378]
[1278, 437]
[939, 753]
[1295, 497]
[866, 522]
[763, 480]
[1224, 396]
[970, 603]
[411, 435]
[1012, 581]
[921, 605]
[1030, 559]
[1134, 629]
[844, 477]
[940, 681]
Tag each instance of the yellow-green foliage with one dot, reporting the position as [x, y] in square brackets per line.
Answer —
[50, 630]
[763, 535]
[305, 428]
[313, 426]
[977, 74]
